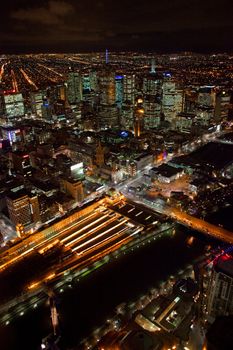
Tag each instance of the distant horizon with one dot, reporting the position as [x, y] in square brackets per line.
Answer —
[148, 51]
[65, 26]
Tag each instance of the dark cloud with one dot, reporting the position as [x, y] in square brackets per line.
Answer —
[73, 25]
[53, 13]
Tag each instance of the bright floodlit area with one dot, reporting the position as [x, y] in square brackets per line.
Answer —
[161, 188]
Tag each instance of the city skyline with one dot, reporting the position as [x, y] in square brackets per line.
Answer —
[68, 26]
[116, 177]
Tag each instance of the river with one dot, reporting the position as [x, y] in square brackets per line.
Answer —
[87, 304]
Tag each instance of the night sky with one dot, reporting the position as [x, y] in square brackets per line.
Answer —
[86, 25]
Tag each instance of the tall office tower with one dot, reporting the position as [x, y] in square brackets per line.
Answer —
[12, 105]
[179, 101]
[190, 100]
[127, 111]
[129, 88]
[36, 101]
[86, 84]
[93, 80]
[168, 100]
[74, 87]
[119, 90]
[107, 87]
[206, 96]
[219, 295]
[108, 116]
[222, 105]
[88, 92]
[152, 113]
[152, 91]
[60, 94]
[108, 111]
[138, 117]
[47, 110]
[23, 208]
[127, 116]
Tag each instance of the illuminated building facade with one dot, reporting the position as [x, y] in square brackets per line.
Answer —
[129, 88]
[152, 91]
[220, 288]
[21, 163]
[73, 188]
[168, 101]
[207, 96]
[23, 208]
[12, 134]
[107, 87]
[47, 110]
[138, 118]
[36, 100]
[222, 105]
[99, 158]
[86, 84]
[93, 80]
[108, 112]
[13, 105]
[74, 88]
[119, 90]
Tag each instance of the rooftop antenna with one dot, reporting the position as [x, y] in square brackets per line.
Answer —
[106, 56]
[152, 66]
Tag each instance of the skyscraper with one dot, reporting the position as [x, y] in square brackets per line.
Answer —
[107, 87]
[138, 117]
[220, 288]
[36, 99]
[129, 88]
[119, 90]
[152, 91]
[108, 111]
[168, 100]
[74, 87]
[12, 105]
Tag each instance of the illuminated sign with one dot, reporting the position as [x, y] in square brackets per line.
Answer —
[78, 166]
[118, 77]
[124, 134]
[167, 74]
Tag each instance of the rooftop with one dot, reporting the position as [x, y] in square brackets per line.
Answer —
[141, 340]
[166, 170]
[214, 155]
[224, 264]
